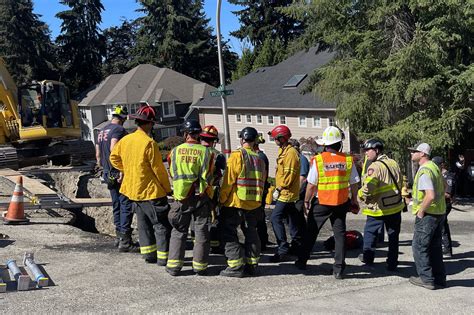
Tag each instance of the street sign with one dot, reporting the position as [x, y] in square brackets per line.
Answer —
[220, 93]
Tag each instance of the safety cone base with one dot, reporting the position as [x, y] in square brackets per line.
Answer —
[15, 221]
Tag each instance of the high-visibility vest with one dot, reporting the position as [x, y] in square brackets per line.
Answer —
[190, 169]
[251, 180]
[334, 171]
[438, 206]
[386, 199]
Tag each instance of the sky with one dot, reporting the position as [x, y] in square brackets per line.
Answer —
[116, 9]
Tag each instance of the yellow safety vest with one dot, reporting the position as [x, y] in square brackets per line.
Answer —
[189, 169]
[378, 190]
[251, 180]
[438, 206]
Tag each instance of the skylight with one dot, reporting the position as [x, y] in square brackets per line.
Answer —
[295, 80]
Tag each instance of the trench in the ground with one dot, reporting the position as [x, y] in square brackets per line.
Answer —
[82, 185]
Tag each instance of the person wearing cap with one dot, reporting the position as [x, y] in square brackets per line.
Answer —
[380, 192]
[107, 138]
[450, 184]
[192, 171]
[146, 184]
[331, 175]
[285, 195]
[429, 206]
[209, 137]
[241, 196]
[261, 216]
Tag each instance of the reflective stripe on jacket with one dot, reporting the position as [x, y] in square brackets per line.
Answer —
[438, 206]
[251, 180]
[190, 169]
[334, 171]
[378, 191]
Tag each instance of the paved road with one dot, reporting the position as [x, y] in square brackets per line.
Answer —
[90, 276]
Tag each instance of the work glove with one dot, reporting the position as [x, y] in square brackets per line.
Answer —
[276, 194]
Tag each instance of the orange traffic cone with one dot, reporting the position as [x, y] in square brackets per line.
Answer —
[16, 211]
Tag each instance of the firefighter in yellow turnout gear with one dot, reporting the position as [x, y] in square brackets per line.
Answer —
[241, 196]
[381, 194]
[191, 168]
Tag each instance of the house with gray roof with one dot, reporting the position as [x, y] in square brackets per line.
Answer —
[271, 96]
[169, 92]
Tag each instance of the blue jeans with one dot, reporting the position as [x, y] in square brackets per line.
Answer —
[371, 235]
[122, 211]
[282, 211]
[427, 250]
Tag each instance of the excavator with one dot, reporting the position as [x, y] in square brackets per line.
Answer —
[39, 123]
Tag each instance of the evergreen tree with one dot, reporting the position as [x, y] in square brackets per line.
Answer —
[81, 45]
[403, 69]
[244, 65]
[270, 53]
[262, 19]
[175, 34]
[120, 41]
[26, 44]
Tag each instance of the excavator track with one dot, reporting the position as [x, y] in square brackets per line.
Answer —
[8, 157]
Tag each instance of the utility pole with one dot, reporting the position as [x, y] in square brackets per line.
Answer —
[226, 150]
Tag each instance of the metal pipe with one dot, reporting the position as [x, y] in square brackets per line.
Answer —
[22, 281]
[225, 116]
[40, 279]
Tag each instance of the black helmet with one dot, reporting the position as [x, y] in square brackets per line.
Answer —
[372, 144]
[191, 126]
[249, 134]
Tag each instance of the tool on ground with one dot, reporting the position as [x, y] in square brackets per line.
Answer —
[40, 279]
[16, 209]
[22, 280]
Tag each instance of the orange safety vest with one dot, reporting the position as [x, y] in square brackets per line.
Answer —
[334, 170]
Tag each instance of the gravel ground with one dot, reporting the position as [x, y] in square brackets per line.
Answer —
[88, 275]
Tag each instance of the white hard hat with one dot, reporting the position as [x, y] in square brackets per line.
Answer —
[331, 135]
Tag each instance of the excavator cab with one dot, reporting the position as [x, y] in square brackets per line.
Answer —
[45, 104]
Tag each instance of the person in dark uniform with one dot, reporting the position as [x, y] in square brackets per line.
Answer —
[261, 216]
[450, 184]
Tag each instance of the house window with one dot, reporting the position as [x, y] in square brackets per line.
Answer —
[168, 109]
[332, 121]
[238, 118]
[302, 121]
[168, 132]
[83, 114]
[283, 120]
[133, 108]
[109, 109]
[270, 139]
[259, 119]
[238, 133]
[317, 122]
[248, 118]
[270, 119]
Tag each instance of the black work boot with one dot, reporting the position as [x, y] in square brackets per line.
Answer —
[126, 244]
[232, 273]
[251, 271]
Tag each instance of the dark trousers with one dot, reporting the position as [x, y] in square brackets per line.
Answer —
[282, 211]
[317, 216]
[446, 232]
[427, 250]
[238, 256]
[371, 235]
[180, 216]
[122, 211]
[154, 228]
[262, 227]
